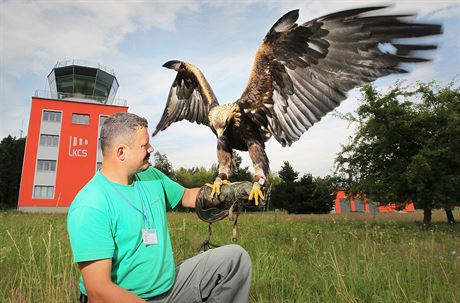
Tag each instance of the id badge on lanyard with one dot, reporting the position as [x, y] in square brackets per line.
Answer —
[149, 235]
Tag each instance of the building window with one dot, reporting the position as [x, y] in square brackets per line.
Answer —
[51, 116]
[41, 191]
[80, 119]
[46, 165]
[49, 140]
[102, 120]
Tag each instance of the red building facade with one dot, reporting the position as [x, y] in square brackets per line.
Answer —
[62, 147]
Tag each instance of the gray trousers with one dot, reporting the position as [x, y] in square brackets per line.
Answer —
[221, 274]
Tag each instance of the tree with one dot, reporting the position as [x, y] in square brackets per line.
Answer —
[285, 191]
[307, 195]
[11, 158]
[283, 195]
[311, 195]
[162, 163]
[239, 173]
[304, 201]
[273, 181]
[324, 193]
[195, 176]
[287, 173]
[406, 151]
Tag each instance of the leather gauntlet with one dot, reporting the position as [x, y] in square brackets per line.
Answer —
[233, 198]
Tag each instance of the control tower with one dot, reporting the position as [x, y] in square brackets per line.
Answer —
[83, 80]
[62, 148]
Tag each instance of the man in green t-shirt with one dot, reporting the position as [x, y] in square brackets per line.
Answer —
[119, 233]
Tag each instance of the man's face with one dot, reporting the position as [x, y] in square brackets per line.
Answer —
[139, 151]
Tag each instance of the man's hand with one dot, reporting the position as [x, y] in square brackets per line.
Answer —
[98, 284]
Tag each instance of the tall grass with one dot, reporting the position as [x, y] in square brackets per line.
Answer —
[330, 258]
[35, 259]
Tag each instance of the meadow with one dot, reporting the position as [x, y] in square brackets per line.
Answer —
[296, 258]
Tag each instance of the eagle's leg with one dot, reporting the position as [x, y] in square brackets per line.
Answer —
[261, 168]
[225, 159]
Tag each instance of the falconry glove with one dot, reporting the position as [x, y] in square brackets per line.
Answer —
[232, 199]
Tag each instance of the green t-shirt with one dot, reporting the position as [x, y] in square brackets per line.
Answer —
[102, 225]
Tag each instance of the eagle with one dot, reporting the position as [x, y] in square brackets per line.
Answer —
[300, 73]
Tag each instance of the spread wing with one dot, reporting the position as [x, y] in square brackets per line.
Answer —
[190, 97]
[302, 72]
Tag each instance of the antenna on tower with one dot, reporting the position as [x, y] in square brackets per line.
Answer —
[22, 129]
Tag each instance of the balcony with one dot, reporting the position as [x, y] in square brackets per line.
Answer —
[78, 98]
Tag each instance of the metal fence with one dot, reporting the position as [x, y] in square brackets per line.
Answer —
[85, 63]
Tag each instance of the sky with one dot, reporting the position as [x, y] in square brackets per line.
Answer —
[135, 38]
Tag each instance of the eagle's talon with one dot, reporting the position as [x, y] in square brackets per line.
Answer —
[256, 193]
[216, 186]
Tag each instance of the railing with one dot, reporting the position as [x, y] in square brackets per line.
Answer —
[85, 63]
[80, 98]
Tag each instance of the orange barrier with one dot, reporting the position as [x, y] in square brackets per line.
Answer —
[345, 204]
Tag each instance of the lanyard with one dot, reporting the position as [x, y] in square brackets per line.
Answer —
[143, 211]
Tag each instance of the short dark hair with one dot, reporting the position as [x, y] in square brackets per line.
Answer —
[120, 125]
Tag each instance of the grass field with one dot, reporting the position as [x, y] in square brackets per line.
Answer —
[303, 258]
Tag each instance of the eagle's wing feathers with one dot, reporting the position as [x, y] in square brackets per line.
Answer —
[190, 97]
[302, 72]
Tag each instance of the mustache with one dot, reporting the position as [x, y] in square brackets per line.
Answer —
[147, 157]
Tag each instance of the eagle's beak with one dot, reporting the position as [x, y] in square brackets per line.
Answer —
[220, 132]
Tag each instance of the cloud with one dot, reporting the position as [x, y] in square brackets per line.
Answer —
[316, 8]
[423, 73]
[449, 9]
[137, 37]
[35, 33]
[15, 111]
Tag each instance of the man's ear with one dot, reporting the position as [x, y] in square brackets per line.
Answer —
[121, 152]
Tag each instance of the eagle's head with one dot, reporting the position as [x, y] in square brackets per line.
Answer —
[220, 117]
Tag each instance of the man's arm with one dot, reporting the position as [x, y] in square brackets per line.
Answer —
[98, 284]
[189, 198]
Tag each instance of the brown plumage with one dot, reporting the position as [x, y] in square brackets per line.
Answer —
[300, 73]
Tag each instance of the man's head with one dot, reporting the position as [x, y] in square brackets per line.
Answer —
[124, 138]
